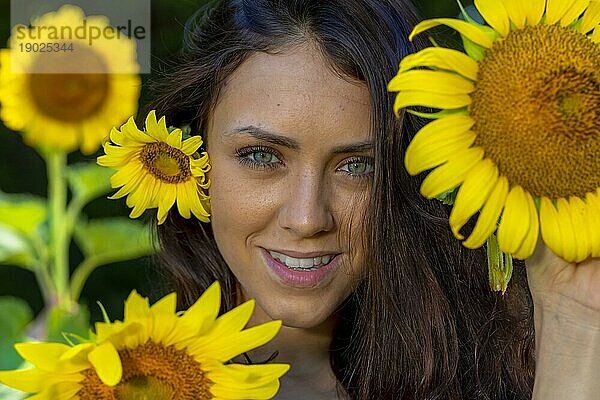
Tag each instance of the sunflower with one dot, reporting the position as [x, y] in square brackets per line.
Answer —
[156, 167]
[518, 127]
[155, 353]
[68, 98]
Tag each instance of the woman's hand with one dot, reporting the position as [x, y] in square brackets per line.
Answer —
[552, 280]
[566, 299]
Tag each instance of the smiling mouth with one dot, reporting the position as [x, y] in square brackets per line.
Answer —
[302, 264]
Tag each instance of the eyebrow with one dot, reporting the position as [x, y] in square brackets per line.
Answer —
[270, 137]
[293, 144]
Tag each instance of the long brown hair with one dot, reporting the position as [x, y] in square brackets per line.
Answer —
[423, 324]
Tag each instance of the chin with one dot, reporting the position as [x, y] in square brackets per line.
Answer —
[299, 313]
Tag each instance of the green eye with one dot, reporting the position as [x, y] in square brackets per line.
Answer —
[358, 167]
[258, 157]
[262, 157]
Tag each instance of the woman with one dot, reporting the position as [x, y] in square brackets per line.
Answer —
[377, 298]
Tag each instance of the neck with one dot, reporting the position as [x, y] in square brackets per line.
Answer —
[296, 345]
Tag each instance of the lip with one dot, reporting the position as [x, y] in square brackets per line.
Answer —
[300, 279]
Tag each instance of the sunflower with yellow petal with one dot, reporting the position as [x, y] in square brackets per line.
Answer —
[518, 127]
[156, 353]
[67, 99]
[156, 168]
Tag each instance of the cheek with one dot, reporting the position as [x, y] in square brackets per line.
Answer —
[241, 208]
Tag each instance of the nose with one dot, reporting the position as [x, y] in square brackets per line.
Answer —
[306, 211]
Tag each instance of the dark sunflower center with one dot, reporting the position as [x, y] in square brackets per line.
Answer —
[151, 372]
[145, 388]
[167, 163]
[69, 97]
[536, 107]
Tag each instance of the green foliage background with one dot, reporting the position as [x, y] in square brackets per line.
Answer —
[22, 171]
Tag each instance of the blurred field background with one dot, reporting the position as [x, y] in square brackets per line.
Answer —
[22, 171]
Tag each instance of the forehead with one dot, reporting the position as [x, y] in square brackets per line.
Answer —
[294, 91]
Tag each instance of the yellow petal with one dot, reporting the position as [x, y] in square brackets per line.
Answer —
[450, 174]
[195, 203]
[166, 201]
[43, 355]
[534, 10]
[26, 380]
[495, 15]
[229, 346]
[174, 138]
[164, 328]
[515, 221]
[488, 217]
[131, 173]
[442, 58]
[183, 202]
[576, 9]
[567, 232]
[59, 391]
[516, 12]
[593, 221]
[142, 199]
[596, 35]
[156, 129]
[166, 305]
[436, 142]
[234, 320]
[432, 100]
[136, 306]
[120, 334]
[75, 359]
[118, 137]
[191, 145]
[528, 246]
[247, 376]
[107, 363]
[230, 392]
[591, 18]
[430, 81]
[473, 192]
[202, 314]
[132, 132]
[580, 228]
[117, 156]
[549, 226]
[466, 29]
[556, 9]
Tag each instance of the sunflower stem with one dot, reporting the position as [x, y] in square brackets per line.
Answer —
[87, 266]
[45, 283]
[73, 210]
[57, 194]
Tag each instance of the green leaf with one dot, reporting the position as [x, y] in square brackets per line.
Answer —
[15, 248]
[89, 180]
[61, 321]
[118, 238]
[22, 212]
[448, 197]
[15, 315]
[474, 50]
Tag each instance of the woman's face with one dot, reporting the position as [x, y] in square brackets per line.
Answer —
[291, 172]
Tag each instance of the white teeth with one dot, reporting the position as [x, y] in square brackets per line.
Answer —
[302, 263]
